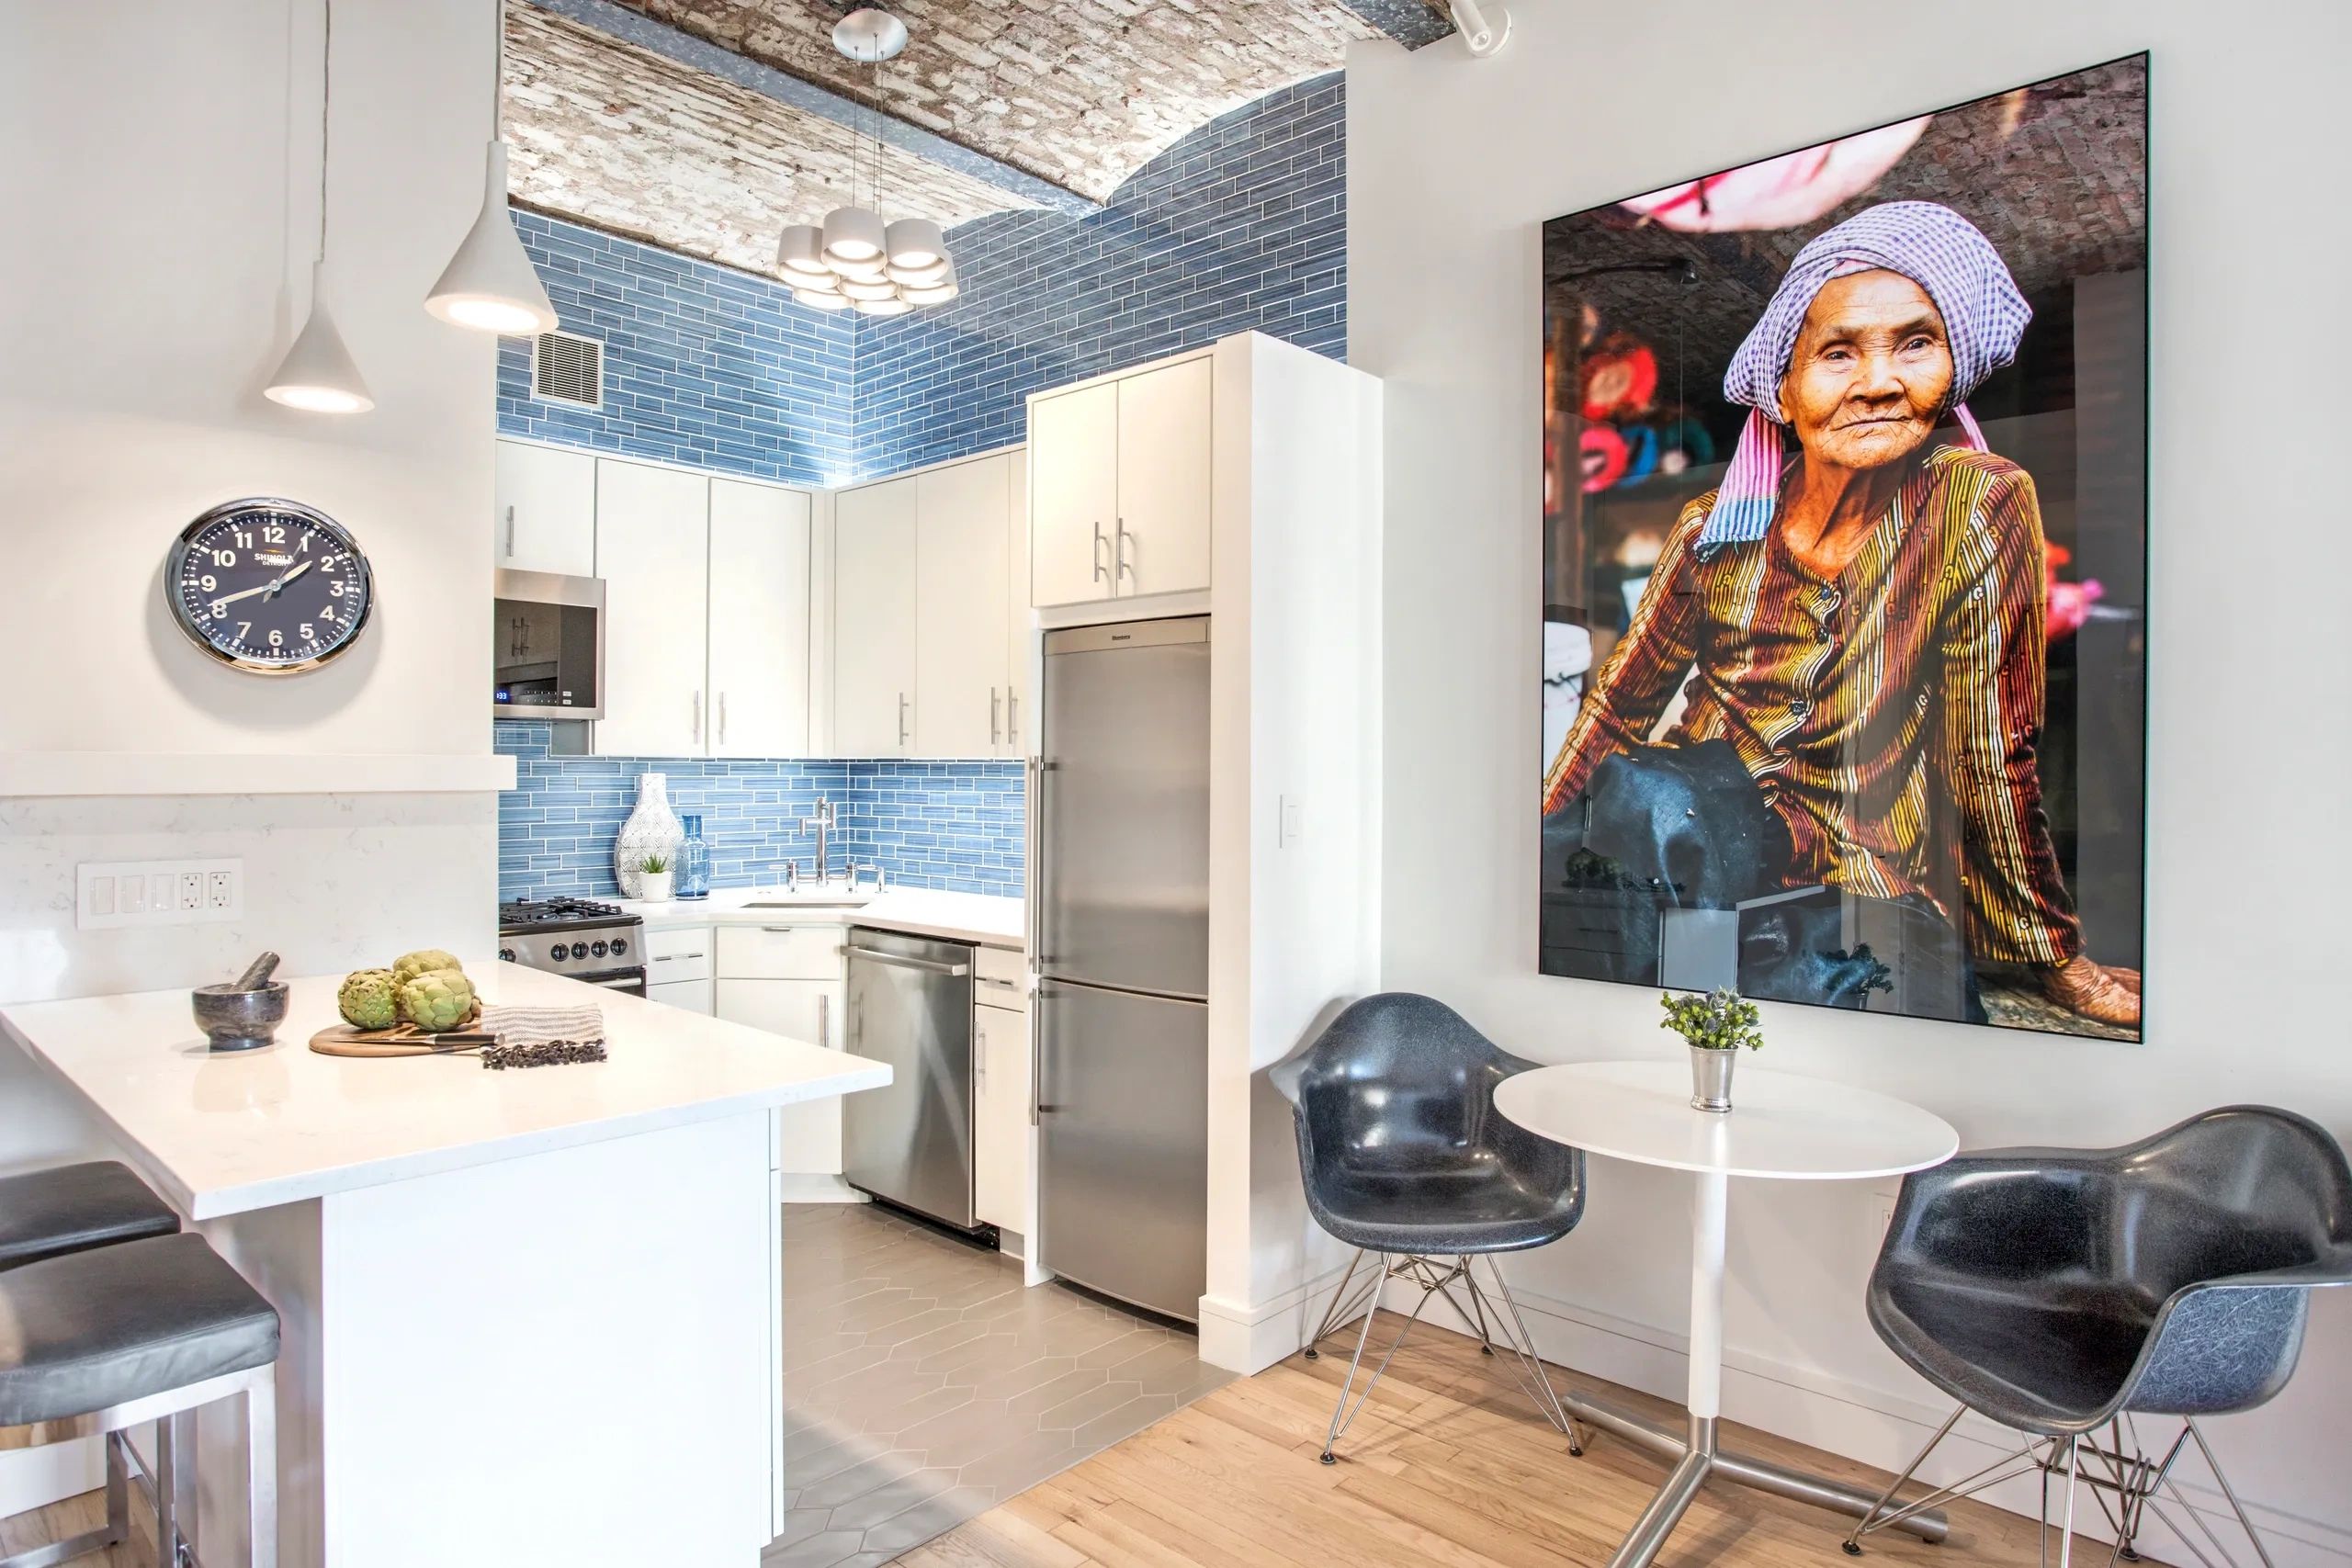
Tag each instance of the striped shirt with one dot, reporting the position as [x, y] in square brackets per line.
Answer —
[1889, 714]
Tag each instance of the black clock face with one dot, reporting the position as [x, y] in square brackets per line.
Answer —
[271, 586]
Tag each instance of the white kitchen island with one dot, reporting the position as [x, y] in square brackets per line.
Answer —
[528, 1316]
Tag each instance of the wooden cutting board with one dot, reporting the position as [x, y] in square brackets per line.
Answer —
[401, 1040]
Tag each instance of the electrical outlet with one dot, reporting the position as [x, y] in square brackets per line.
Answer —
[112, 894]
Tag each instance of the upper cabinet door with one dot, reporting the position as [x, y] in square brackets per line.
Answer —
[1165, 481]
[961, 565]
[1073, 494]
[759, 620]
[546, 510]
[873, 621]
[653, 552]
[1016, 609]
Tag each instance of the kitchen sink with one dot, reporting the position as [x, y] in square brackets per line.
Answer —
[808, 904]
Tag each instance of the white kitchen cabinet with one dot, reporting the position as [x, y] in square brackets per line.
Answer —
[807, 1137]
[1001, 1117]
[652, 550]
[546, 509]
[694, 996]
[1161, 540]
[759, 620]
[1121, 485]
[1016, 607]
[962, 562]
[1073, 494]
[874, 620]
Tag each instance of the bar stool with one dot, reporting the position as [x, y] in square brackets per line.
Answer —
[71, 1208]
[93, 1343]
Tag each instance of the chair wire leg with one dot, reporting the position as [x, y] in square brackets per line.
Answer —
[1530, 1360]
[2066, 1531]
[1331, 1318]
[1854, 1541]
[1343, 1415]
[2236, 1508]
[1478, 1307]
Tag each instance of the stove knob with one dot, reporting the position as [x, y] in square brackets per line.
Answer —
[579, 949]
[620, 946]
[556, 951]
[597, 948]
[506, 955]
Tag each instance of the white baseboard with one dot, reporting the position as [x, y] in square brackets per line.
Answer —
[34, 1478]
[795, 1187]
[1875, 1426]
[1247, 1337]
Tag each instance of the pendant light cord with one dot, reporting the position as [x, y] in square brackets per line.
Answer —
[326, 101]
[498, 74]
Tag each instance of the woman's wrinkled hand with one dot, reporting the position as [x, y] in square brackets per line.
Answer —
[2092, 990]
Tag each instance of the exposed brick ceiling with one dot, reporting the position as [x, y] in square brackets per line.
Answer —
[1078, 92]
[631, 142]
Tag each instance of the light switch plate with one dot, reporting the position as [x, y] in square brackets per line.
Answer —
[1291, 822]
[112, 894]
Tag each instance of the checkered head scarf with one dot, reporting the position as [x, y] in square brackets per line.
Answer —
[1930, 245]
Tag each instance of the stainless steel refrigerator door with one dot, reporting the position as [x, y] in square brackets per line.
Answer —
[909, 1004]
[1123, 806]
[1123, 1159]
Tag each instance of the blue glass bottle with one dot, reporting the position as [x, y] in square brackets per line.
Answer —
[693, 859]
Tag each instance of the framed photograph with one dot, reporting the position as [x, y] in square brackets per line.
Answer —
[1845, 565]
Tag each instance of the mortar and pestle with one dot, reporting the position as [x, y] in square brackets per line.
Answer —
[243, 1014]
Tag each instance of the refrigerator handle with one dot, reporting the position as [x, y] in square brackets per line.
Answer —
[1037, 1055]
[1033, 910]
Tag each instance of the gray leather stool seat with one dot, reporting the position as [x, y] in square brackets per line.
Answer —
[99, 1328]
[73, 1208]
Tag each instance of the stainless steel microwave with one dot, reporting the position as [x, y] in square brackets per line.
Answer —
[547, 658]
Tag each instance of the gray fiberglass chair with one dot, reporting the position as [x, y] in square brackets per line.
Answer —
[2061, 1291]
[1404, 1158]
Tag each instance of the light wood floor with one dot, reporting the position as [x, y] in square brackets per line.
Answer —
[1448, 1465]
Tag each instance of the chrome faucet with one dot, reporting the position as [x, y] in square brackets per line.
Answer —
[823, 823]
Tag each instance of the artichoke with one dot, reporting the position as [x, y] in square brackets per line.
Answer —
[367, 999]
[436, 1000]
[409, 965]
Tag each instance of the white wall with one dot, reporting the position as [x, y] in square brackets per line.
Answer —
[158, 185]
[1453, 163]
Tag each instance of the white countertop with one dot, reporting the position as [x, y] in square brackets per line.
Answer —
[978, 917]
[222, 1134]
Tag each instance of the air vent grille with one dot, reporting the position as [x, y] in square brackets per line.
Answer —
[567, 368]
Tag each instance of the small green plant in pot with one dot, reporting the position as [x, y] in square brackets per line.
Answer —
[1715, 1026]
[656, 883]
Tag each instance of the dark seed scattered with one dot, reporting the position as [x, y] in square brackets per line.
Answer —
[547, 1054]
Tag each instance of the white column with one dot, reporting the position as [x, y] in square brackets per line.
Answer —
[1710, 1199]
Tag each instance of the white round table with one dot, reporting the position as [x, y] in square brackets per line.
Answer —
[1782, 1127]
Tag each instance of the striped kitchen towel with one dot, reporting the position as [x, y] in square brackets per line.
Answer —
[537, 1025]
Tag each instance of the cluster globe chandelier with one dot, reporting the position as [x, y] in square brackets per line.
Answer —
[854, 261]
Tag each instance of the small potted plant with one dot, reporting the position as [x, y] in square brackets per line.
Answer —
[654, 881]
[1715, 1026]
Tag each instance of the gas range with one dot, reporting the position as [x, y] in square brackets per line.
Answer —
[579, 937]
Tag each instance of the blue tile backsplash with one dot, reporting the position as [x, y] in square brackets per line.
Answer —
[951, 825]
[1241, 225]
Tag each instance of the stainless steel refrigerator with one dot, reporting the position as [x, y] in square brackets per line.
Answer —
[1119, 825]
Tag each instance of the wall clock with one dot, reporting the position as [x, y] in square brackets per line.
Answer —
[271, 586]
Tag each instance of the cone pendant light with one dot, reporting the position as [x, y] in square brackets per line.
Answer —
[489, 285]
[318, 373]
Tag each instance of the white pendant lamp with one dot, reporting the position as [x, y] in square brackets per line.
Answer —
[318, 373]
[855, 258]
[489, 285]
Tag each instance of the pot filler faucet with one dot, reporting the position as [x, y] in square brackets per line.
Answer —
[823, 823]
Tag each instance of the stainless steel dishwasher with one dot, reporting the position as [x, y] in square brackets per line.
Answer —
[911, 1142]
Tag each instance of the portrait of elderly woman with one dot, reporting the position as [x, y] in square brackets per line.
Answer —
[1815, 759]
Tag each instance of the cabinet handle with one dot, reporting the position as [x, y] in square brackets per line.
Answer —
[1012, 716]
[697, 718]
[510, 532]
[996, 733]
[722, 718]
[824, 1020]
[902, 718]
[1119, 567]
[1098, 552]
[980, 1057]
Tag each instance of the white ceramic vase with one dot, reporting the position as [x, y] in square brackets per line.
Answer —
[651, 829]
[653, 886]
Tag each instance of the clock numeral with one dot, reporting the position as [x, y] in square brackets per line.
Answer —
[273, 534]
[224, 558]
[327, 614]
[308, 633]
[334, 586]
[244, 629]
[303, 544]
[244, 540]
[277, 638]
[208, 582]
[219, 611]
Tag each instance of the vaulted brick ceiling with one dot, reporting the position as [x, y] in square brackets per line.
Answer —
[1078, 92]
